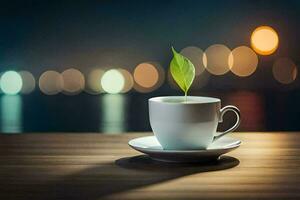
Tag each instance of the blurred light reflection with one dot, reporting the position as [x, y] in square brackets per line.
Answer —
[284, 70]
[243, 61]
[93, 82]
[11, 82]
[148, 77]
[11, 114]
[113, 114]
[28, 82]
[264, 40]
[51, 82]
[73, 81]
[128, 80]
[112, 81]
[215, 59]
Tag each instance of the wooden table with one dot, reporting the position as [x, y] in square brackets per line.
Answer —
[96, 166]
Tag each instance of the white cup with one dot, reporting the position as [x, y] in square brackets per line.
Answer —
[183, 124]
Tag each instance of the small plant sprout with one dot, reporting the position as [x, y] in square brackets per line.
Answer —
[183, 71]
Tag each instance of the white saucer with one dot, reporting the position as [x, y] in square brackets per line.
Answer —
[150, 146]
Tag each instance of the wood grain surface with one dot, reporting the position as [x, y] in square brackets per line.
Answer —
[97, 166]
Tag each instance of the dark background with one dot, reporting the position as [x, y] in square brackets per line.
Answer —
[41, 35]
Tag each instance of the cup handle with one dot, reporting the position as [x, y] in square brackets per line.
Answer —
[237, 123]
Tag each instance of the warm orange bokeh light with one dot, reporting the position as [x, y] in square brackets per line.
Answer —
[146, 75]
[264, 40]
[74, 81]
[243, 61]
[215, 59]
[51, 82]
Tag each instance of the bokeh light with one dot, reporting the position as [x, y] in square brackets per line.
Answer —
[113, 81]
[51, 82]
[195, 55]
[284, 70]
[11, 82]
[264, 40]
[28, 82]
[93, 81]
[215, 59]
[243, 61]
[128, 80]
[148, 76]
[73, 81]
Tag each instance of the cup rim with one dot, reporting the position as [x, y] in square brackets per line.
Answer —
[201, 100]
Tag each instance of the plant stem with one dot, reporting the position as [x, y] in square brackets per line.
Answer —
[185, 95]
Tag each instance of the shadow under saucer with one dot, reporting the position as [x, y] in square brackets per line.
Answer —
[145, 163]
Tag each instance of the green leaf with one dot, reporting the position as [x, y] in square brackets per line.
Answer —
[182, 70]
